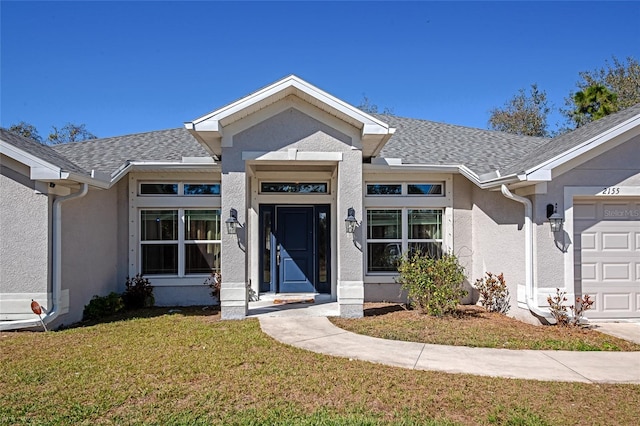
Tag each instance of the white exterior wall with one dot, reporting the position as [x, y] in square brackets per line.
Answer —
[25, 245]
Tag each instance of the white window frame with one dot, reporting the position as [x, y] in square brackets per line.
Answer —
[404, 239]
[138, 202]
[407, 202]
[404, 189]
[181, 241]
[180, 192]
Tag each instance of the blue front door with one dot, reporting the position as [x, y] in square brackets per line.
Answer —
[294, 249]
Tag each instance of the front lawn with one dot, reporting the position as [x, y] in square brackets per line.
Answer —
[189, 368]
[475, 327]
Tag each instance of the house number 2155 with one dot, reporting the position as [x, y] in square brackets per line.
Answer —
[612, 190]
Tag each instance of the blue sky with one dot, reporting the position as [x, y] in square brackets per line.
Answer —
[128, 67]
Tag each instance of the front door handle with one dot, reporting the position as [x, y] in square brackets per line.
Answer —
[278, 254]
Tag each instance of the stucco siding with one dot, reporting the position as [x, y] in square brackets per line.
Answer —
[617, 167]
[89, 249]
[499, 243]
[25, 242]
[463, 231]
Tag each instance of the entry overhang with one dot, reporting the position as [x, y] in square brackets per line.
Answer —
[209, 129]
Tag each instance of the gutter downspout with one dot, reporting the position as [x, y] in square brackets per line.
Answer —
[56, 276]
[528, 251]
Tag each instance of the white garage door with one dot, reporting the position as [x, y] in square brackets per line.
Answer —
[607, 255]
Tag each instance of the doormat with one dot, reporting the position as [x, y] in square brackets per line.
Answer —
[287, 300]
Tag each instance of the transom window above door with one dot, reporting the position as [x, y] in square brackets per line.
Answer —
[294, 187]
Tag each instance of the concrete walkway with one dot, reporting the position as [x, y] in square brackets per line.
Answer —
[318, 334]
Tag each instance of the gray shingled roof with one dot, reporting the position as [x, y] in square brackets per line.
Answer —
[109, 154]
[43, 152]
[427, 142]
[569, 140]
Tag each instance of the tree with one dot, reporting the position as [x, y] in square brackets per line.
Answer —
[619, 78]
[25, 129]
[523, 114]
[70, 133]
[593, 103]
[370, 108]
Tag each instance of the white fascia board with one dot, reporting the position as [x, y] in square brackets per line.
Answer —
[582, 148]
[43, 168]
[210, 122]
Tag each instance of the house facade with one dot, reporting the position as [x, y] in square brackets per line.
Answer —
[264, 189]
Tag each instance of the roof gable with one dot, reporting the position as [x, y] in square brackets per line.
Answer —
[602, 134]
[209, 129]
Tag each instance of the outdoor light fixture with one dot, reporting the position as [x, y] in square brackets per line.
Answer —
[350, 222]
[232, 222]
[555, 220]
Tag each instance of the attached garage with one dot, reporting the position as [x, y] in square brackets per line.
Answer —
[607, 255]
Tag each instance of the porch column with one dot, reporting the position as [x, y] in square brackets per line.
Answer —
[233, 291]
[350, 250]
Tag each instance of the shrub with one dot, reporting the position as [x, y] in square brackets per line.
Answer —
[214, 281]
[494, 294]
[102, 306]
[139, 293]
[434, 286]
[558, 308]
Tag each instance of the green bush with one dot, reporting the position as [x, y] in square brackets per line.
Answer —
[102, 306]
[139, 293]
[434, 286]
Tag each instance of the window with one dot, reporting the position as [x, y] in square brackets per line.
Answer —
[179, 188]
[424, 189]
[201, 189]
[159, 240]
[391, 232]
[381, 189]
[425, 232]
[165, 234]
[158, 189]
[384, 239]
[294, 187]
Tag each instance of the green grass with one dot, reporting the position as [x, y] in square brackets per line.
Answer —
[189, 368]
[476, 328]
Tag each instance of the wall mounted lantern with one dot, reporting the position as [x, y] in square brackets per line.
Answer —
[555, 220]
[232, 222]
[350, 222]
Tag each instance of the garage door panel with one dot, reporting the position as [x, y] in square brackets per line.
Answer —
[616, 302]
[608, 256]
[616, 241]
[616, 272]
[589, 272]
[588, 241]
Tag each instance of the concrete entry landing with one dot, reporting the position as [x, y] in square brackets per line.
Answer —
[294, 305]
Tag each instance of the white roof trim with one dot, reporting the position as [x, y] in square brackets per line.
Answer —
[40, 169]
[210, 121]
[543, 171]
